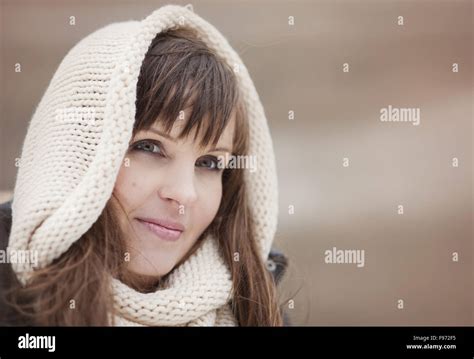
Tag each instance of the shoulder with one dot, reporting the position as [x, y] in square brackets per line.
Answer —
[5, 223]
[7, 277]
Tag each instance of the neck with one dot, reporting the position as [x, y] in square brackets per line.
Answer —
[140, 282]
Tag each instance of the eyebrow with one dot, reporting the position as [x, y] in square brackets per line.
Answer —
[169, 137]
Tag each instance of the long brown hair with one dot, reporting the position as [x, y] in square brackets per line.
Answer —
[179, 71]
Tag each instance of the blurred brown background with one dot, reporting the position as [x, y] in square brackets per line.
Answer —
[299, 68]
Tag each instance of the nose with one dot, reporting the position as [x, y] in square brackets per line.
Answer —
[179, 185]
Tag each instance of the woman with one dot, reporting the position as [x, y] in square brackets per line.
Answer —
[126, 194]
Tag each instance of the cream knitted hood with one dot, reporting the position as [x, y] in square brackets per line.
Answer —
[68, 168]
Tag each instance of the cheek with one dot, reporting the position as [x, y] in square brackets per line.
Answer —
[210, 195]
[132, 187]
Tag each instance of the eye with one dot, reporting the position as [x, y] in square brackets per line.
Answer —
[148, 146]
[208, 162]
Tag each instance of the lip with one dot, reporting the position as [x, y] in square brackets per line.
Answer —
[164, 229]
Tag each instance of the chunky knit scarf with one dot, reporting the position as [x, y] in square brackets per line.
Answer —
[68, 168]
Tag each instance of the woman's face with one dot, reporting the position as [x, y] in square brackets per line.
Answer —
[171, 191]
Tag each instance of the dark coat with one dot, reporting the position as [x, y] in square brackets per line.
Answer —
[276, 265]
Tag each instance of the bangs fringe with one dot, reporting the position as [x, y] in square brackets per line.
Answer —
[180, 73]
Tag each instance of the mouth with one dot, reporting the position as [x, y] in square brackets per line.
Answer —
[165, 230]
